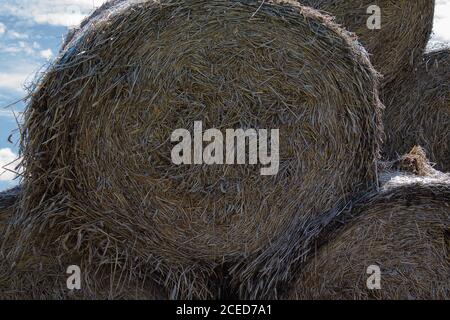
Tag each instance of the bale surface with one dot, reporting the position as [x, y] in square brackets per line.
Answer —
[99, 180]
[405, 28]
[45, 278]
[418, 110]
[41, 275]
[404, 229]
[8, 202]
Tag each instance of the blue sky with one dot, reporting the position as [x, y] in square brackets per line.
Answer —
[31, 32]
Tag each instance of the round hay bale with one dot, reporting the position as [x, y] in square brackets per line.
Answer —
[97, 135]
[404, 230]
[418, 110]
[405, 28]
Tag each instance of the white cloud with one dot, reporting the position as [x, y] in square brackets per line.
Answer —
[8, 162]
[2, 28]
[12, 81]
[46, 54]
[442, 21]
[22, 47]
[9, 115]
[61, 12]
[13, 48]
[17, 35]
[15, 79]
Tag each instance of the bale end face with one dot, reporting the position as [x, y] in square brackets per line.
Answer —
[97, 147]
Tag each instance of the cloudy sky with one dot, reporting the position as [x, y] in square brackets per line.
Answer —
[31, 32]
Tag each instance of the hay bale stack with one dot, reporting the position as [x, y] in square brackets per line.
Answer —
[404, 229]
[418, 110]
[97, 153]
[405, 29]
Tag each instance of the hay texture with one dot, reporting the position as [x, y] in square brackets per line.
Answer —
[41, 275]
[8, 201]
[98, 176]
[44, 277]
[405, 29]
[418, 110]
[404, 229]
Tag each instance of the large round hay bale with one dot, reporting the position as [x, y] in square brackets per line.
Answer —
[404, 230]
[405, 28]
[97, 139]
[418, 110]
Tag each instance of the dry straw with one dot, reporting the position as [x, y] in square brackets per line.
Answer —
[404, 229]
[99, 184]
[405, 28]
[8, 199]
[418, 110]
[41, 275]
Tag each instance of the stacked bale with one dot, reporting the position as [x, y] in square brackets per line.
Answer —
[404, 230]
[405, 28]
[418, 110]
[99, 184]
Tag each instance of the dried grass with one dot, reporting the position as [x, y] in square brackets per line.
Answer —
[41, 275]
[404, 229]
[418, 110]
[100, 188]
[405, 29]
